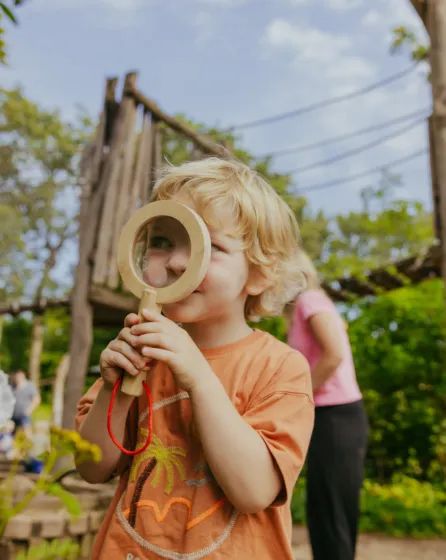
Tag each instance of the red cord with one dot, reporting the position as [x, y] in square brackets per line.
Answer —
[109, 417]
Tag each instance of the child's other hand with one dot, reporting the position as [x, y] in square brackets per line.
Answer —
[119, 357]
[162, 339]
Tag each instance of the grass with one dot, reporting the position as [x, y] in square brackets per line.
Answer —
[42, 412]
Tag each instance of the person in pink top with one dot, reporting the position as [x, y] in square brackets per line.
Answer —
[335, 462]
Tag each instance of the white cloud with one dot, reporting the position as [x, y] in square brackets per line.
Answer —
[122, 5]
[222, 3]
[371, 18]
[204, 24]
[344, 4]
[307, 43]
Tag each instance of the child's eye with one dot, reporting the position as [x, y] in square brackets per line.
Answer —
[216, 247]
[160, 242]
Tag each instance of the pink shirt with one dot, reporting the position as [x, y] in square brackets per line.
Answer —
[341, 387]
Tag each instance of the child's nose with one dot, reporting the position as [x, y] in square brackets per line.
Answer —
[179, 259]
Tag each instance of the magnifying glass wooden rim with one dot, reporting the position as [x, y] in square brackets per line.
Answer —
[150, 296]
[200, 251]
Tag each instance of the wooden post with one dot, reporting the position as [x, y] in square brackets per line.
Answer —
[81, 332]
[436, 27]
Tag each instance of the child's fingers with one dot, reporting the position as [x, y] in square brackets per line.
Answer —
[131, 319]
[150, 315]
[159, 354]
[146, 328]
[115, 359]
[158, 340]
[121, 347]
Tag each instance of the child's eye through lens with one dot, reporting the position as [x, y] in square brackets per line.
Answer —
[160, 242]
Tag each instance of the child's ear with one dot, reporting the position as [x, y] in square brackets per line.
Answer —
[257, 283]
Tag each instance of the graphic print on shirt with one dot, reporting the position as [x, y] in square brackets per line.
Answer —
[193, 495]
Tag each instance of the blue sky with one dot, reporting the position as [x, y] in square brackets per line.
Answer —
[230, 61]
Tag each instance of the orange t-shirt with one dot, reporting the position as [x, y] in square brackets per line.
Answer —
[168, 504]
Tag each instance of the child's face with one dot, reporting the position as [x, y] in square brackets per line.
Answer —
[223, 290]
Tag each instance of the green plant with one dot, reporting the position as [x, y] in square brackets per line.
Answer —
[399, 352]
[55, 550]
[62, 444]
[405, 507]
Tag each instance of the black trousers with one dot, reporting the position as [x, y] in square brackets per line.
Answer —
[335, 470]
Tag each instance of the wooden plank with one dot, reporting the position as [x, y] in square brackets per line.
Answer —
[359, 287]
[140, 174]
[15, 307]
[124, 186]
[147, 171]
[81, 332]
[200, 140]
[109, 298]
[157, 157]
[110, 184]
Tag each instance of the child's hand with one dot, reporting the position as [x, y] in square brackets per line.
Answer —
[162, 339]
[120, 357]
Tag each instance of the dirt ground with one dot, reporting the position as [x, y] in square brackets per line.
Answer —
[377, 547]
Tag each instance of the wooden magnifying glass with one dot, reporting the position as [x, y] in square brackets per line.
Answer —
[153, 297]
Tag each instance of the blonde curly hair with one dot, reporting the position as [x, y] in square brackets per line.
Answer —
[265, 223]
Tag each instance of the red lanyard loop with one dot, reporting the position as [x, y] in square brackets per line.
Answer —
[150, 420]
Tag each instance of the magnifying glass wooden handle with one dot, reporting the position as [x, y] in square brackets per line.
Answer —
[132, 385]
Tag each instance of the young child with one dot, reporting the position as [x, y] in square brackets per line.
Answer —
[232, 406]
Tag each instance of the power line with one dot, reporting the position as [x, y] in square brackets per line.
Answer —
[351, 178]
[358, 150]
[323, 104]
[347, 136]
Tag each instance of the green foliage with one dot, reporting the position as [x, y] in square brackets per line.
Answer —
[62, 443]
[385, 230]
[405, 507]
[54, 550]
[15, 342]
[7, 13]
[39, 162]
[404, 37]
[398, 343]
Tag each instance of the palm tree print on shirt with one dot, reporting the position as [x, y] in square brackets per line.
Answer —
[167, 460]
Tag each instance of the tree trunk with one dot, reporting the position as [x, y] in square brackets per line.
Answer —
[58, 389]
[36, 349]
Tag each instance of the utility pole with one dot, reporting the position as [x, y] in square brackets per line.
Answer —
[436, 27]
[433, 15]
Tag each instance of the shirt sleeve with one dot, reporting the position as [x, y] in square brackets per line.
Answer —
[283, 415]
[83, 407]
[313, 302]
[33, 392]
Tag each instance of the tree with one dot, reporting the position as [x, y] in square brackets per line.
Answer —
[7, 12]
[404, 37]
[39, 178]
[398, 347]
[385, 230]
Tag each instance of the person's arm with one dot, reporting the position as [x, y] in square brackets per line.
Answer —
[237, 455]
[94, 430]
[36, 400]
[325, 329]
[256, 458]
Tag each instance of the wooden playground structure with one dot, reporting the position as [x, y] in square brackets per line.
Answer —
[118, 170]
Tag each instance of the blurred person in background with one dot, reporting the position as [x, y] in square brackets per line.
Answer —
[335, 462]
[27, 399]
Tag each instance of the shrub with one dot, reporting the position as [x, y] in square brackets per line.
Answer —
[406, 507]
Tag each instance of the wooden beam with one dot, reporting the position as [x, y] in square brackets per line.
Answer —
[16, 307]
[199, 140]
[420, 7]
